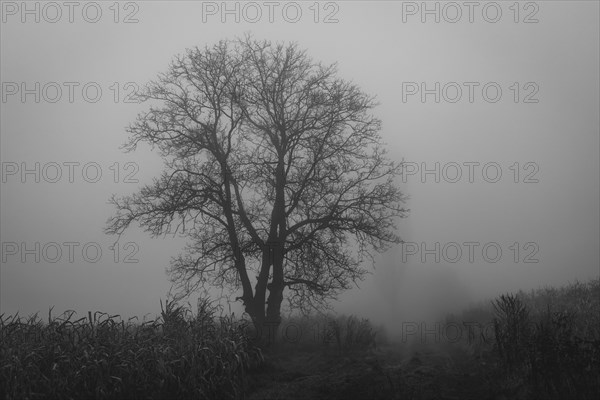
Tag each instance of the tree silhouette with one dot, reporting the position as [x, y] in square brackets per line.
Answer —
[274, 171]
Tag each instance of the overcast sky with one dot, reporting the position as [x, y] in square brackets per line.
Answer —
[518, 96]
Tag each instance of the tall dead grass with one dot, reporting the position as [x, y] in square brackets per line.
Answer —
[101, 356]
[546, 341]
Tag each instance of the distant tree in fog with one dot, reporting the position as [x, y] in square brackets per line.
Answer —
[274, 172]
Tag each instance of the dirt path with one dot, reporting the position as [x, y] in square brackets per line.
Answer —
[389, 373]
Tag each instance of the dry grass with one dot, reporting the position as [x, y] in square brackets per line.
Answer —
[545, 344]
[339, 334]
[178, 355]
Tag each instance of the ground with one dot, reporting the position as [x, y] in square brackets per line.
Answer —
[389, 372]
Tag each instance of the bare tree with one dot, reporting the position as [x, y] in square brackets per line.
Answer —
[274, 170]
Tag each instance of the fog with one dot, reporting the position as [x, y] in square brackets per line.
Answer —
[503, 190]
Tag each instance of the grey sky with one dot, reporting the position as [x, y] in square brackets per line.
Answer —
[555, 61]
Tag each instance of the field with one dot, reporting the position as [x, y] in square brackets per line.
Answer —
[544, 344]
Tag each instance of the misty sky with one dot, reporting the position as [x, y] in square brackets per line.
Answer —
[541, 130]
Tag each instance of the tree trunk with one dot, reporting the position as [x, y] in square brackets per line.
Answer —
[255, 307]
[267, 323]
[266, 327]
[273, 315]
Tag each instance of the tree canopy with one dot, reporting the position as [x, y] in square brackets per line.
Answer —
[274, 171]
